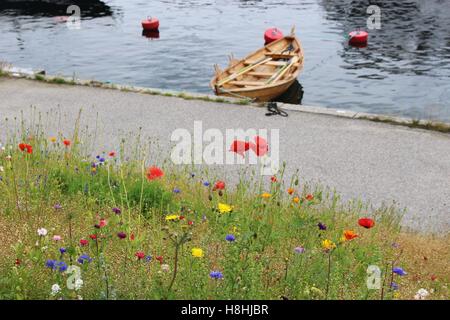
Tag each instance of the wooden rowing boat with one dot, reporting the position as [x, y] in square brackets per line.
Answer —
[263, 75]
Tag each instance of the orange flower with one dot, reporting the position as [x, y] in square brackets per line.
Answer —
[309, 197]
[67, 142]
[112, 154]
[350, 234]
[296, 200]
[154, 173]
[290, 190]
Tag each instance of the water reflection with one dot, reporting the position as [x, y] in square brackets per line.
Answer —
[89, 8]
[151, 34]
[293, 95]
[414, 35]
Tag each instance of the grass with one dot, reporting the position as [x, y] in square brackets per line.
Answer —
[145, 251]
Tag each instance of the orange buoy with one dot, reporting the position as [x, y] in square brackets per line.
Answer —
[272, 34]
[150, 24]
[358, 38]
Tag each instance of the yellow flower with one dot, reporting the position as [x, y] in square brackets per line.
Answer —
[94, 169]
[266, 195]
[224, 208]
[296, 200]
[172, 217]
[197, 252]
[52, 139]
[328, 244]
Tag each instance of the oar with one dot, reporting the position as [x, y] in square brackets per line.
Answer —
[250, 67]
[283, 70]
[243, 70]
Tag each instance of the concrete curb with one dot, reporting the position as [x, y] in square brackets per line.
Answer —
[393, 120]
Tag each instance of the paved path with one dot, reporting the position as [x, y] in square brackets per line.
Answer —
[373, 161]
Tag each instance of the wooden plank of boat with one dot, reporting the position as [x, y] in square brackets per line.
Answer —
[247, 83]
[282, 71]
[244, 70]
[268, 63]
[260, 74]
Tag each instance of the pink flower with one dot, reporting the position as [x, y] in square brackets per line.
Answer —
[57, 238]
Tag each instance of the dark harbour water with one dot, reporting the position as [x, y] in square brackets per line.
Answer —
[405, 70]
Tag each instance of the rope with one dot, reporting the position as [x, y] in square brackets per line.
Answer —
[273, 110]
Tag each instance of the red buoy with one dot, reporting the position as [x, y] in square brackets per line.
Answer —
[272, 34]
[150, 24]
[358, 38]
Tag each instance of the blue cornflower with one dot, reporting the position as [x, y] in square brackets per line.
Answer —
[176, 190]
[57, 206]
[192, 175]
[322, 226]
[299, 250]
[216, 275]
[394, 286]
[148, 258]
[116, 210]
[62, 250]
[230, 237]
[399, 271]
[97, 157]
[101, 160]
[206, 183]
[84, 258]
[51, 264]
[62, 266]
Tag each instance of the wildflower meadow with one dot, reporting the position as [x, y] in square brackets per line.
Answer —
[114, 225]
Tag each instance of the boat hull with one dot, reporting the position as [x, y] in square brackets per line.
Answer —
[259, 95]
[264, 74]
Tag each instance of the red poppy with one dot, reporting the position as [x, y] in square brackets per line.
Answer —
[366, 223]
[112, 154]
[260, 147]
[154, 173]
[67, 142]
[84, 242]
[18, 262]
[26, 147]
[273, 179]
[132, 237]
[92, 236]
[309, 197]
[190, 223]
[219, 185]
[433, 277]
[160, 259]
[102, 223]
[140, 255]
[239, 147]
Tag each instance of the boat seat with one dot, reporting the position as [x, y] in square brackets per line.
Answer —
[247, 83]
[268, 63]
[260, 74]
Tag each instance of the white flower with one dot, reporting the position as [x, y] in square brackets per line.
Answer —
[421, 294]
[2, 169]
[78, 284]
[55, 289]
[165, 267]
[42, 232]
